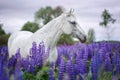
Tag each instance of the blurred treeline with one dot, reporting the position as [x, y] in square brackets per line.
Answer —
[46, 14]
[3, 36]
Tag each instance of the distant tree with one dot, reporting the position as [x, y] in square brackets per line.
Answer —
[3, 36]
[4, 39]
[107, 19]
[30, 26]
[90, 35]
[44, 15]
[1, 30]
[57, 11]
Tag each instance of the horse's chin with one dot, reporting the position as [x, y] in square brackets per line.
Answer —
[79, 39]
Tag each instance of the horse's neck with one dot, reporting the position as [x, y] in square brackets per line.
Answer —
[49, 34]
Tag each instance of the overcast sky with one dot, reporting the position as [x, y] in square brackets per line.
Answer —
[14, 13]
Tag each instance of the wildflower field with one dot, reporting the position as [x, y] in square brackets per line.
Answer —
[95, 61]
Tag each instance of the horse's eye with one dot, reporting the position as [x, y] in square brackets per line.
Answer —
[73, 22]
[68, 15]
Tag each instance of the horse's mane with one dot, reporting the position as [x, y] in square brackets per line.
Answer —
[54, 23]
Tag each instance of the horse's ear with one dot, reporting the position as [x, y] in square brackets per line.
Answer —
[71, 11]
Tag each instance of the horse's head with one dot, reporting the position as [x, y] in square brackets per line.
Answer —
[71, 27]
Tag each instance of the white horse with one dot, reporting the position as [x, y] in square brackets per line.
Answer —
[50, 34]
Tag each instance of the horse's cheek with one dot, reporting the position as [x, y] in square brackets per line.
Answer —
[67, 30]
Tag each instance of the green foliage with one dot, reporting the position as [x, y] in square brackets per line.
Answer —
[30, 26]
[65, 39]
[2, 32]
[42, 74]
[3, 36]
[29, 76]
[107, 18]
[4, 39]
[57, 11]
[90, 35]
[46, 14]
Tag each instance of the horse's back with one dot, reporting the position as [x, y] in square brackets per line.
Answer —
[16, 39]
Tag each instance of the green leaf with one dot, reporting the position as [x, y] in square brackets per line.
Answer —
[43, 73]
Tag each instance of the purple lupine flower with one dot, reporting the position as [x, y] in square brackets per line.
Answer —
[28, 65]
[101, 54]
[74, 53]
[14, 58]
[41, 48]
[32, 66]
[79, 54]
[41, 55]
[35, 59]
[58, 59]
[118, 69]
[33, 49]
[90, 51]
[114, 59]
[65, 52]
[94, 45]
[95, 67]
[1, 69]
[78, 76]
[12, 62]
[110, 46]
[76, 69]
[61, 70]
[115, 62]
[86, 53]
[60, 50]
[118, 64]
[83, 66]
[81, 63]
[4, 53]
[51, 72]
[17, 55]
[18, 74]
[25, 64]
[107, 63]
[70, 69]
[3, 64]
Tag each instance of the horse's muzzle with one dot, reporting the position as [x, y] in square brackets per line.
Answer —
[82, 40]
